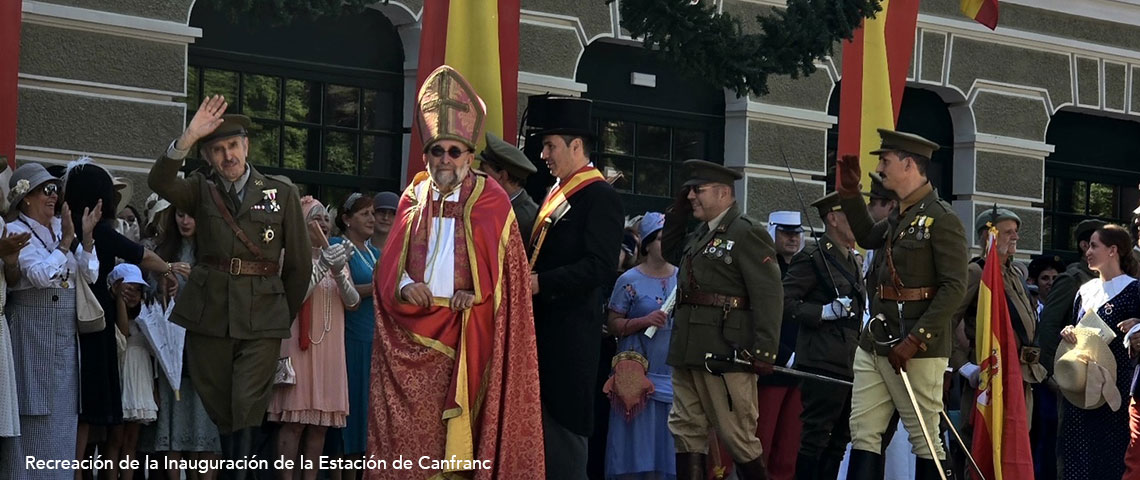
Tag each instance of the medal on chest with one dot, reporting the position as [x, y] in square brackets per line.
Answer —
[268, 201]
[719, 249]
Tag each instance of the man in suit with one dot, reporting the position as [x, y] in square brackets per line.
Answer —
[238, 303]
[509, 166]
[823, 297]
[729, 305]
[921, 283]
[575, 244]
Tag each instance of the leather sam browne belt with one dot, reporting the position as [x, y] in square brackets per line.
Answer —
[903, 294]
[238, 267]
[714, 300]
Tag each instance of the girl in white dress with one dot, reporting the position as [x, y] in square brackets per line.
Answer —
[136, 370]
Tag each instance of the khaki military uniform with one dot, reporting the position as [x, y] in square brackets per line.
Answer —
[729, 301]
[923, 264]
[235, 307]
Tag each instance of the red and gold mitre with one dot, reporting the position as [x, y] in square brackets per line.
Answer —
[447, 108]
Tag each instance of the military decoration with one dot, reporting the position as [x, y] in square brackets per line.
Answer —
[719, 249]
[269, 201]
[267, 234]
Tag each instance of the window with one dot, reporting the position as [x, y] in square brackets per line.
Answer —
[648, 156]
[1068, 201]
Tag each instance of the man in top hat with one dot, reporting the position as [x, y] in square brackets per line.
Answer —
[1058, 310]
[238, 303]
[823, 297]
[454, 358]
[575, 243]
[921, 282]
[385, 204]
[509, 166]
[1022, 315]
[787, 231]
[778, 424]
[729, 306]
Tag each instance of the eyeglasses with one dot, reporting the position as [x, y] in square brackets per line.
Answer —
[698, 189]
[50, 189]
[453, 152]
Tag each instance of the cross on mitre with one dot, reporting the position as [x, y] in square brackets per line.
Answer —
[448, 107]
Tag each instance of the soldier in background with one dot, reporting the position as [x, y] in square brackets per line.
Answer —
[730, 304]
[823, 298]
[787, 231]
[509, 166]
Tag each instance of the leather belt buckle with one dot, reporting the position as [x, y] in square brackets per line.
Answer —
[1030, 355]
[235, 266]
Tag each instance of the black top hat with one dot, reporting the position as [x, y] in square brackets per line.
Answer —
[559, 115]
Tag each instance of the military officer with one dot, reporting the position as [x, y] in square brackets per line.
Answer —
[823, 297]
[238, 303]
[921, 282]
[730, 303]
[509, 166]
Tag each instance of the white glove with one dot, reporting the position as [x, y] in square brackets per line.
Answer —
[840, 308]
[970, 372]
[334, 257]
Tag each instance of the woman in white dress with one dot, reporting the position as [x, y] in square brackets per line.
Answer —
[10, 246]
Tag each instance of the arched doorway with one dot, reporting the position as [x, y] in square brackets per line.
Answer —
[326, 95]
[923, 113]
[1092, 173]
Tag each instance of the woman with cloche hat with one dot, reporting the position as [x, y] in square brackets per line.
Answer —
[1092, 378]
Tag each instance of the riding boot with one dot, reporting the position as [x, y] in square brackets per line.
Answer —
[829, 466]
[753, 470]
[926, 469]
[690, 466]
[807, 468]
[865, 465]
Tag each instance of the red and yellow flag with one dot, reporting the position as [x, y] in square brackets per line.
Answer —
[10, 13]
[875, 66]
[480, 39]
[1001, 429]
[984, 11]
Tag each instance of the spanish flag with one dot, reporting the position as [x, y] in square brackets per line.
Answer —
[875, 66]
[984, 11]
[1001, 429]
[480, 39]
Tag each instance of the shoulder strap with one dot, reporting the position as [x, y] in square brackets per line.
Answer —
[229, 218]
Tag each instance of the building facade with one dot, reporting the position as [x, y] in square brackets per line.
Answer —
[1041, 116]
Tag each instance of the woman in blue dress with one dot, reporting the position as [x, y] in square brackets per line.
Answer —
[1093, 442]
[356, 222]
[642, 447]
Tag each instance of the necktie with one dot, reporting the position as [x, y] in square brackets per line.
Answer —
[234, 198]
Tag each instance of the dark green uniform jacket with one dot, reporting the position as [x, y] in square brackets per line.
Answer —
[737, 259]
[216, 303]
[1058, 310]
[525, 213]
[932, 254]
[827, 345]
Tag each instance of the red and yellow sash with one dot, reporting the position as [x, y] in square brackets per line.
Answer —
[557, 201]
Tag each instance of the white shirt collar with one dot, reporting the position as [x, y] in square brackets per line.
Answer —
[716, 221]
[239, 184]
[1096, 292]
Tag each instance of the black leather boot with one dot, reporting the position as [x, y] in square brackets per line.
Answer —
[829, 466]
[926, 469]
[807, 468]
[753, 470]
[690, 466]
[865, 465]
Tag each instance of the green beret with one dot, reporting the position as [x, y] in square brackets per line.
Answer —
[232, 124]
[702, 172]
[505, 156]
[993, 216]
[906, 142]
[827, 204]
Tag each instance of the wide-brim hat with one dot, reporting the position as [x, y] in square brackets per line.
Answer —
[26, 178]
[559, 115]
[1085, 371]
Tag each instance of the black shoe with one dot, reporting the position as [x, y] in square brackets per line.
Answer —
[753, 470]
[926, 469]
[807, 468]
[690, 466]
[865, 465]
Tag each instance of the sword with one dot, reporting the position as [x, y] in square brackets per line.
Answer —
[961, 443]
[922, 423]
[775, 368]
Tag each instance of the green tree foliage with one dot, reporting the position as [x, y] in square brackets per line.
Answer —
[712, 45]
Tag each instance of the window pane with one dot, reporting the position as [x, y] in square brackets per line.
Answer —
[1048, 193]
[688, 144]
[332, 197]
[263, 143]
[341, 106]
[653, 178]
[1102, 200]
[1077, 197]
[339, 153]
[297, 147]
[220, 82]
[377, 158]
[652, 141]
[262, 94]
[617, 137]
[625, 166]
[192, 99]
[380, 111]
[300, 97]
[680, 174]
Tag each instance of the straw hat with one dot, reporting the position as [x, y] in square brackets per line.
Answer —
[1086, 371]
